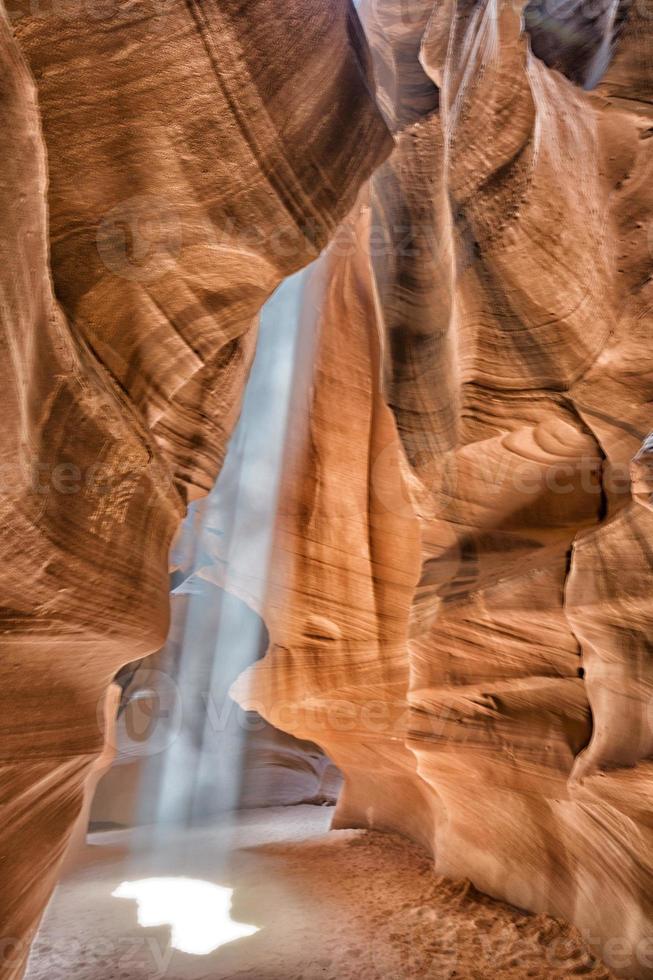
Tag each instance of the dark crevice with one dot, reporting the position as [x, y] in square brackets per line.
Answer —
[576, 37]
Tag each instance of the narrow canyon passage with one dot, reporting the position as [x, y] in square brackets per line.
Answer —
[186, 886]
[326, 497]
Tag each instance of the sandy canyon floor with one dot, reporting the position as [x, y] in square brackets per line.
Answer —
[325, 906]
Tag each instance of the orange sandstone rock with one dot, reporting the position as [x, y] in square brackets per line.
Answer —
[470, 560]
[195, 157]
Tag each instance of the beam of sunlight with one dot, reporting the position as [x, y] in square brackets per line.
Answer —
[198, 912]
[230, 542]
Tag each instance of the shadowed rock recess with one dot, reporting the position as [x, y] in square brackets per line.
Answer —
[459, 605]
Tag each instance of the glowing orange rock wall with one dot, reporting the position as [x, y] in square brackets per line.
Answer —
[192, 162]
[460, 607]
[462, 615]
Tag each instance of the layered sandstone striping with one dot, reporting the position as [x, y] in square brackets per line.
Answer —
[462, 614]
[459, 606]
[194, 159]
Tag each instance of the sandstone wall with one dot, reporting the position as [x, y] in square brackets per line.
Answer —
[467, 571]
[193, 160]
[459, 609]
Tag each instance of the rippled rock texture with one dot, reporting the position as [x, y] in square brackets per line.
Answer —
[194, 159]
[463, 615]
[460, 609]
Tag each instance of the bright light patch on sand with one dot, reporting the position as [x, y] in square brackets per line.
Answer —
[198, 912]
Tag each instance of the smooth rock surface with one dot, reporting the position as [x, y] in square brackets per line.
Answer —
[192, 162]
[462, 616]
[459, 610]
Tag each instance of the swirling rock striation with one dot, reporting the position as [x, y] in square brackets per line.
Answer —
[462, 613]
[195, 157]
[459, 606]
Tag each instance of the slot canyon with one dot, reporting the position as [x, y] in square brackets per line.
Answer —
[326, 552]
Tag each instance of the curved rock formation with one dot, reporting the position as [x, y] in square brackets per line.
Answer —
[459, 610]
[193, 161]
[462, 615]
